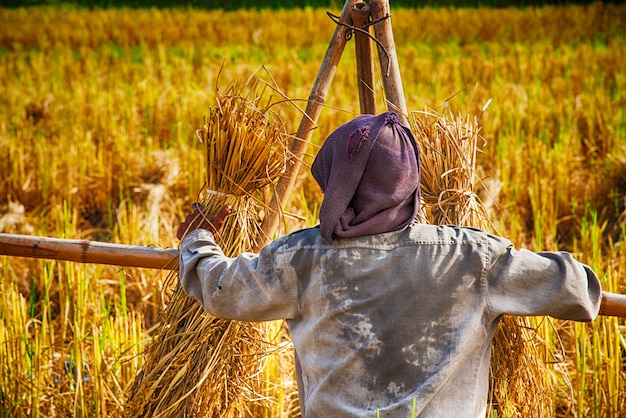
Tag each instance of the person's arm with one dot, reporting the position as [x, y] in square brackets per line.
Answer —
[249, 287]
[521, 282]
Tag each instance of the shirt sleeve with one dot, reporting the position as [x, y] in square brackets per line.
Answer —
[522, 282]
[244, 288]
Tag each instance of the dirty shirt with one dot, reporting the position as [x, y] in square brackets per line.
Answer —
[397, 324]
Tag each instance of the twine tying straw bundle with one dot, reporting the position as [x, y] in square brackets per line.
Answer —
[197, 364]
[519, 378]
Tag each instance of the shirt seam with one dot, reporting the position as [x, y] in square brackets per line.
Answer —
[379, 247]
[293, 287]
[488, 259]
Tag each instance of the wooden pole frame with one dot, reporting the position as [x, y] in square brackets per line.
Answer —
[389, 66]
[317, 98]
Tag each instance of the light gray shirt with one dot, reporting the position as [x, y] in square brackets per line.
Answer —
[397, 323]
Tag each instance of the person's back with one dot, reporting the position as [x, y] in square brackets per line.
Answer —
[395, 323]
[398, 323]
[388, 317]
[401, 323]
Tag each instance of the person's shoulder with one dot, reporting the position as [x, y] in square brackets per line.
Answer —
[300, 238]
[313, 233]
[452, 233]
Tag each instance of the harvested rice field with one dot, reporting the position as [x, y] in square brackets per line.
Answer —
[101, 112]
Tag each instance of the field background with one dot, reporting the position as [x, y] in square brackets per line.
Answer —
[98, 114]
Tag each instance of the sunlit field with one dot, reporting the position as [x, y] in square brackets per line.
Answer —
[97, 141]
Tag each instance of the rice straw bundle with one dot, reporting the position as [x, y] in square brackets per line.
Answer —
[448, 158]
[199, 365]
[520, 384]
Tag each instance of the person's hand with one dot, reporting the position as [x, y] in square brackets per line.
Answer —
[198, 220]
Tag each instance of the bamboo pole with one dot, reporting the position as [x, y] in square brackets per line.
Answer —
[389, 65]
[84, 251]
[613, 304]
[361, 16]
[315, 103]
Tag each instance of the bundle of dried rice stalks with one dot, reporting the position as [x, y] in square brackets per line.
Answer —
[199, 365]
[448, 148]
[521, 385]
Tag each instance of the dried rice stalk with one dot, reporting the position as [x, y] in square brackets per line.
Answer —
[199, 365]
[520, 382]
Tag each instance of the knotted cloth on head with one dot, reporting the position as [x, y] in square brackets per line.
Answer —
[369, 172]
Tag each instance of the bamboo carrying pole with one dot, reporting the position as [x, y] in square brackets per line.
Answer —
[613, 304]
[83, 251]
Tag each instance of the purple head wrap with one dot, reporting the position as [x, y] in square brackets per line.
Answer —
[369, 172]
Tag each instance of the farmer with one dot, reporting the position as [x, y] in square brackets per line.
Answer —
[387, 315]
